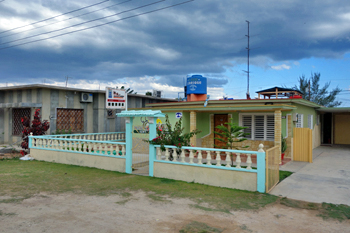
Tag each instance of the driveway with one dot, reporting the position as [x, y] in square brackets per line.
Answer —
[327, 179]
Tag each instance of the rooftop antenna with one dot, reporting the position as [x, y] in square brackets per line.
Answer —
[247, 71]
[67, 80]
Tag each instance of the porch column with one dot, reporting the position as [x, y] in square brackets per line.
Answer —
[278, 129]
[193, 126]
[152, 151]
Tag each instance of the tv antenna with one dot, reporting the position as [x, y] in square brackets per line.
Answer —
[247, 71]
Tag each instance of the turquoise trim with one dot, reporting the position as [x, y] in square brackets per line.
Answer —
[209, 166]
[128, 138]
[261, 166]
[30, 138]
[152, 149]
[142, 113]
[79, 152]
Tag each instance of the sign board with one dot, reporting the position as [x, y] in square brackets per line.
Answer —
[196, 84]
[116, 98]
[178, 114]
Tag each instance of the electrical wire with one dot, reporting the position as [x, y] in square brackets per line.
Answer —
[54, 17]
[99, 25]
[66, 19]
[79, 24]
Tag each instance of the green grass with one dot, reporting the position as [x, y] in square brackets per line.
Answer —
[284, 174]
[199, 227]
[22, 179]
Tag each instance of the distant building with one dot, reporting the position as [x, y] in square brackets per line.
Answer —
[67, 109]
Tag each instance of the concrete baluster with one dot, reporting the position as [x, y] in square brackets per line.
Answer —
[218, 158]
[199, 157]
[208, 158]
[166, 154]
[238, 160]
[228, 159]
[182, 156]
[249, 161]
[191, 156]
[159, 153]
[175, 155]
[123, 150]
[94, 144]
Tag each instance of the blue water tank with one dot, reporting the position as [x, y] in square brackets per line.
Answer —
[196, 84]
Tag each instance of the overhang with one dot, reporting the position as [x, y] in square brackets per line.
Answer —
[20, 105]
[141, 113]
[334, 110]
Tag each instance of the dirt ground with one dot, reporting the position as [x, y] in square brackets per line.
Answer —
[140, 213]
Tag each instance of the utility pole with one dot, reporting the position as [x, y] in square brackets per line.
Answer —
[67, 80]
[247, 71]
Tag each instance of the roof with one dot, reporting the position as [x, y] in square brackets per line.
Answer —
[141, 113]
[279, 89]
[37, 86]
[334, 110]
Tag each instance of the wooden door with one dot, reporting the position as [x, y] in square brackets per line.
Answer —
[219, 119]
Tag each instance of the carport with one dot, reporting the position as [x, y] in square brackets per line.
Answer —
[335, 126]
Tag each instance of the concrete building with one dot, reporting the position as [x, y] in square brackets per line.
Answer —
[67, 109]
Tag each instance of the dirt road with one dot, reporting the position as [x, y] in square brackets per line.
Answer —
[140, 212]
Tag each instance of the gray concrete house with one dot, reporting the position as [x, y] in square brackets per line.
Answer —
[74, 109]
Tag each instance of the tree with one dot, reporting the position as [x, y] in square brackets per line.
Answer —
[310, 88]
[231, 135]
[128, 91]
[149, 93]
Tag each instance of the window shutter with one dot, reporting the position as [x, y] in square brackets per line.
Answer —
[310, 122]
[247, 122]
[270, 127]
[259, 127]
[300, 121]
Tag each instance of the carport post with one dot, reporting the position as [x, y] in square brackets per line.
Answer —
[128, 140]
[152, 149]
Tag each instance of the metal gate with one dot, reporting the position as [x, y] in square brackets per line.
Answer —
[272, 167]
[302, 145]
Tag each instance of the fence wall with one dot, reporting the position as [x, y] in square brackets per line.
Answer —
[216, 167]
[302, 145]
[273, 156]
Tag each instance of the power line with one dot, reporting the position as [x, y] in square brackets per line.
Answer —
[54, 17]
[79, 24]
[99, 25]
[66, 19]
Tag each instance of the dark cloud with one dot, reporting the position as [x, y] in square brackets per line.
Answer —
[204, 37]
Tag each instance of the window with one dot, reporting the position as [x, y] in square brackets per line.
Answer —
[300, 120]
[310, 121]
[260, 126]
[70, 119]
[17, 114]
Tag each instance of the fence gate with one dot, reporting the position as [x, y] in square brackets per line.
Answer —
[272, 167]
[302, 145]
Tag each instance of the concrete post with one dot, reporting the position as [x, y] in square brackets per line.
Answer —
[128, 140]
[152, 150]
[193, 126]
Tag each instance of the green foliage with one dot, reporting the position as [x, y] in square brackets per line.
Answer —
[317, 95]
[148, 93]
[283, 144]
[231, 135]
[284, 174]
[173, 137]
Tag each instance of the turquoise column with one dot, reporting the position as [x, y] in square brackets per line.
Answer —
[128, 139]
[261, 164]
[152, 149]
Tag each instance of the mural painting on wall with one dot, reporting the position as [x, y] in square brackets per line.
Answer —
[144, 128]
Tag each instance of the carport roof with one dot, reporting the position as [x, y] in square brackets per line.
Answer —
[338, 110]
[141, 113]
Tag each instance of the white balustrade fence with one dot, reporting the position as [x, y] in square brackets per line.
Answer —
[111, 136]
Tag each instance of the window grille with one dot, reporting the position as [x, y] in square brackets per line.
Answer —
[310, 121]
[300, 121]
[70, 119]
[17, 114]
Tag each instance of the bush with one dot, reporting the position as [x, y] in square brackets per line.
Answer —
[37, 128]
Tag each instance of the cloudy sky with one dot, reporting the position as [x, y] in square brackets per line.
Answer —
[138, 44]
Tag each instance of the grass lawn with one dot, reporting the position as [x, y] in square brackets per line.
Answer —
[23, 179]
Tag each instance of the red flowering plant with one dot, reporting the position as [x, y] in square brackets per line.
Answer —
[37, 128]
[172, 137]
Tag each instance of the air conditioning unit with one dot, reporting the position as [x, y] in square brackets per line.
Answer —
[157, 93]
[86, 97]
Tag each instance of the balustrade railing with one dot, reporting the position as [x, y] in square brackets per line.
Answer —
[78, 145]
[210, 157]
[110, 136]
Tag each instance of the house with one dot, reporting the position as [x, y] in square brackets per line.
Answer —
[268, 118]
[67, 109]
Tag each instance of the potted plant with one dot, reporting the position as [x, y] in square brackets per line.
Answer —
[231, 135]
[283, 147]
